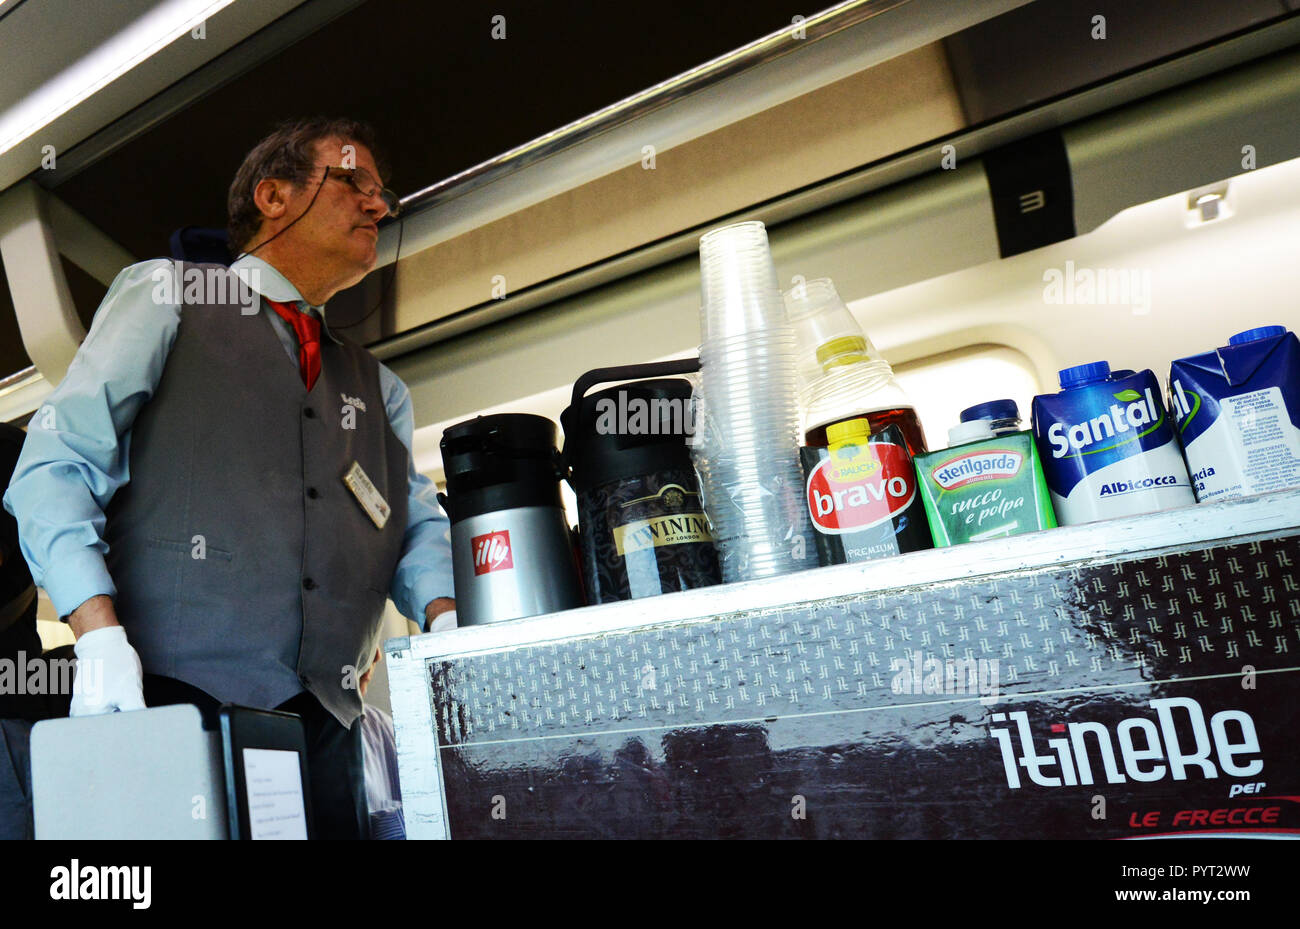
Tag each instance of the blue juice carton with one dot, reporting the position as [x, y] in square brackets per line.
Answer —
[1107, 446]
[1238, 414]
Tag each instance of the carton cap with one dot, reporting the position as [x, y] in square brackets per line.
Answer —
[1089, 373]
[971, 431]
[847, 431]
[1254, 335]
[991, 409]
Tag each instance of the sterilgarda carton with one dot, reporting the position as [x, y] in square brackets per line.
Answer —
[983, 486]
[1238, 414]
[861, 495]
[1108, 446]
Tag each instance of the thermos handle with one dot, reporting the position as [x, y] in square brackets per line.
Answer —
[631, 372]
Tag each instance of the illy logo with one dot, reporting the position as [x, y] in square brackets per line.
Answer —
[491, 552]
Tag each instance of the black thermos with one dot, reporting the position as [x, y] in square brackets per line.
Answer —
[641, 523]
[510, 543]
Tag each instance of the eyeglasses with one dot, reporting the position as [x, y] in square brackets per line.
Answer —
[364, 183]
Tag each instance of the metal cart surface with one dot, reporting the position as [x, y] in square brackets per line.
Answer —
[1128, 678]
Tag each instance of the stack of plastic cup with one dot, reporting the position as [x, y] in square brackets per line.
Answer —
[747, 453]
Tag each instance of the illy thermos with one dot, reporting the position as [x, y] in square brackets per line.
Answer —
[510, 542]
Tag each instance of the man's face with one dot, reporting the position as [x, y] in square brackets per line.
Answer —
[339, 230]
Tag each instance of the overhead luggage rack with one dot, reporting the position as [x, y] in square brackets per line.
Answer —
[1153, 659]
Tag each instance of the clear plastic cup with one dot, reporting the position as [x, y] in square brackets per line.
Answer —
[738, 284]
[744, 412]
[736, 372]
[735, 393]
[773, 356]
[780, 331]
[775, 380]
[775, 346]
[746, 451]
[748, 407]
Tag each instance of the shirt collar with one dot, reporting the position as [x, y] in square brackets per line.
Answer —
[263, 278]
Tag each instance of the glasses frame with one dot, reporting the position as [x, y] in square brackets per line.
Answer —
[350, 177]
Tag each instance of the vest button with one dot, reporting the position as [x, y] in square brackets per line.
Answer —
[308, 584]
[312, 493]
[309, 412]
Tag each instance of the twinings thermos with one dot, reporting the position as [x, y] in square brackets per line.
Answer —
[640, 519]
[510, 543]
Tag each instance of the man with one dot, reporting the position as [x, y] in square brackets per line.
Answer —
[228, 486]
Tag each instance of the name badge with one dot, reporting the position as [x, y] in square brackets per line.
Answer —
[376, 506]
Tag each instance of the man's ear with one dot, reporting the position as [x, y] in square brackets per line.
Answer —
[269, 195]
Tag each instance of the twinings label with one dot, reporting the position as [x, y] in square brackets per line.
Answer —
[677, 529]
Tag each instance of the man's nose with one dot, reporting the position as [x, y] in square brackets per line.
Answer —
[375, 206]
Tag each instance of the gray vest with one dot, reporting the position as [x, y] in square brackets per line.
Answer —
[234, 461]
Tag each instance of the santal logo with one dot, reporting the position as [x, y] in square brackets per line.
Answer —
[1138, 411]
[977, 466]
[491, 552]
[880, 488]
[1079, 749]
[88, 882]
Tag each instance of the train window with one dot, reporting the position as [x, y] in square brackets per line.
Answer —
[52, 632]
[13, 355]
[941, 386]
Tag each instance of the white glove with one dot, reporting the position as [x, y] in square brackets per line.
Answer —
[109, 676]
[443, 621]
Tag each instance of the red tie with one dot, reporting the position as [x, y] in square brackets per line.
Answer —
[308, 330]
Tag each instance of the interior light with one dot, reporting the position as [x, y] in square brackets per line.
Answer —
[115, 56]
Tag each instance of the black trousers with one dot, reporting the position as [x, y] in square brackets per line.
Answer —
[18, 713]
[22, 640]
[335, 764]
[16, 779]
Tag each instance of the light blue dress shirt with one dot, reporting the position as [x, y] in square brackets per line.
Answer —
[78, 444]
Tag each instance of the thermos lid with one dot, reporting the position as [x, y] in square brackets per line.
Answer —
[1254, 335]
[993, 409]
[1090, 373]
[499, 462]
[628, 431]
